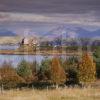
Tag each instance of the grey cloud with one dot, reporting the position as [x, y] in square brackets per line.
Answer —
[50, 6]
[83, 19]
[85, 12]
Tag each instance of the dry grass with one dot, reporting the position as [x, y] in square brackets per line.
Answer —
[9, 39]
[59, 94]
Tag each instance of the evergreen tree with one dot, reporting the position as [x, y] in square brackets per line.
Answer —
[71, 68]
[44, 72]
[25, 71]
[96, 55]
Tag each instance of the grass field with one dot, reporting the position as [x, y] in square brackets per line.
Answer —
[57, 94]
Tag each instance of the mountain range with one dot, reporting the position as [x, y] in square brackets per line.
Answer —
[61, 31]
[76, 32]
[5, 32]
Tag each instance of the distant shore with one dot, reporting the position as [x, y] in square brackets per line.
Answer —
[14, 52]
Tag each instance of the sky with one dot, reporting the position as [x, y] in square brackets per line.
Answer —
[41, 16]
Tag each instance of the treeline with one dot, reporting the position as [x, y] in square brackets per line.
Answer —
[55, 71]
[70, 46]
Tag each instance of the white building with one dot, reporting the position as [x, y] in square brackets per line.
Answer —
[25, 41]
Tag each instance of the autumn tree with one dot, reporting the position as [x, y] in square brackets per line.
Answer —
[87, 70]
[57, 72]
[8, 76]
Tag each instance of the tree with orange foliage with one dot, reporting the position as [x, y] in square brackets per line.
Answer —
[9, 77]
[58, 75]
[87, 70]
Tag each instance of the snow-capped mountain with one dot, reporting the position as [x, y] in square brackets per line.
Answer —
[76, 32]
[58, 32]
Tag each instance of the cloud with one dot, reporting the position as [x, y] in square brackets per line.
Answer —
[3, 17]
[76, 19]
[50, 6]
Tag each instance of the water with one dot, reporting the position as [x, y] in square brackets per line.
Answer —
[16, 59]
[8, 47]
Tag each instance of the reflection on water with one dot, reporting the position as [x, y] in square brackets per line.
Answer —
[15, 59]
